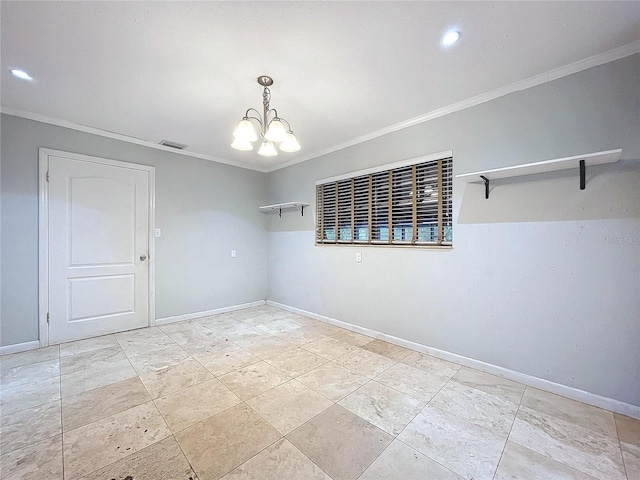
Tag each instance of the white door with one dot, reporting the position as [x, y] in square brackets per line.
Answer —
[98, 248]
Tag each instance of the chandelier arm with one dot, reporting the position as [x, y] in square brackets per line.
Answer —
[268, 113]
[287, 122]
[257, 118]
[246, 114]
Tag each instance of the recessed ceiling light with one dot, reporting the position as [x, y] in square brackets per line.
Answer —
[450, 38]
[21, 74]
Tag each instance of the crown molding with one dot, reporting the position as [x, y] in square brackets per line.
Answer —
[123, 138]
[570, 69]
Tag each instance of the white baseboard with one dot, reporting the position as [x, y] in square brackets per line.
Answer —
[216, 311]
[557, 388]
[23, 347]
[19, 347]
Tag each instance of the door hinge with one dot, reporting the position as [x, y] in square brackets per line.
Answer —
[48, 317]
[47, 177]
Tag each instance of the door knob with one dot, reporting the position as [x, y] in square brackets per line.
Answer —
[143, 257]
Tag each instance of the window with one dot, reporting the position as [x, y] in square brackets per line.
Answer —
[407, 204]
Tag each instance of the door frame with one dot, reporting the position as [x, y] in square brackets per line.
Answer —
[43, 232]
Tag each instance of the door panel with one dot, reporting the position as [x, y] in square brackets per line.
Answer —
[98, 231]
[109, 207]
[93, 297]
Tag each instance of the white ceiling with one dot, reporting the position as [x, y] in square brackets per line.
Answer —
[186, 71]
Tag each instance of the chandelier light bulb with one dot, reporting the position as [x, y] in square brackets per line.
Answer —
[245, 131]
[267, 149]
[290, 143]
[276, 131]
[241, 145]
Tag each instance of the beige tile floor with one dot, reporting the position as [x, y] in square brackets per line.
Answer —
[266, 394]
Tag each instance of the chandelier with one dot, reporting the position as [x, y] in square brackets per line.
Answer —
[272, 129]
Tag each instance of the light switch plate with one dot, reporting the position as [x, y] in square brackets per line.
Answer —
[157, 233]
[233, 253]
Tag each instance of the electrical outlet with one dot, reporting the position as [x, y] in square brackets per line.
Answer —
[233, 254]
[358, 257]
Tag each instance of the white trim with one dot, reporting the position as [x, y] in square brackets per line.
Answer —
[557, 388]
[388, 166]
[207, 313]
[19, 347]
[152, 246]
[575, 67]
[43, 232]
[123, 138]
[43, 248]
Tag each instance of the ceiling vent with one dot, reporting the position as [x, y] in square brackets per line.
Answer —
[176, 145]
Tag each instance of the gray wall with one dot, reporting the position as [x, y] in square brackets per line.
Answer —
[543, 278]
[204, 209]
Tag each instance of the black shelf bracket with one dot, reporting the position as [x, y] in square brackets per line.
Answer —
[486, 186]
[582, 175]
[300, 208]
[280, 212]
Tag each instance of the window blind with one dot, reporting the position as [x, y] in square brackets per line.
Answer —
[408, 205]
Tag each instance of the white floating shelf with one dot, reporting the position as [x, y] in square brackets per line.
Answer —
[278, 207]
[566, 163]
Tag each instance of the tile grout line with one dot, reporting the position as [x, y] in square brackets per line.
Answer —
[427, 456]
[126, 410]
[61, 415]
[152, 400]
[376, 457]
[305, 456]
[134, 369]
[624, 463]
[39, 404]
[284, 436]
[322, 394]
[334, 405]
[558, 461]
[172, 435]
[424, 408]
[257, 453]
[241, 402]
[416, 415]
[557, 417]
[176, 391]
[506, 440]
[193, 469]
[395, 437]
[513, 422]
